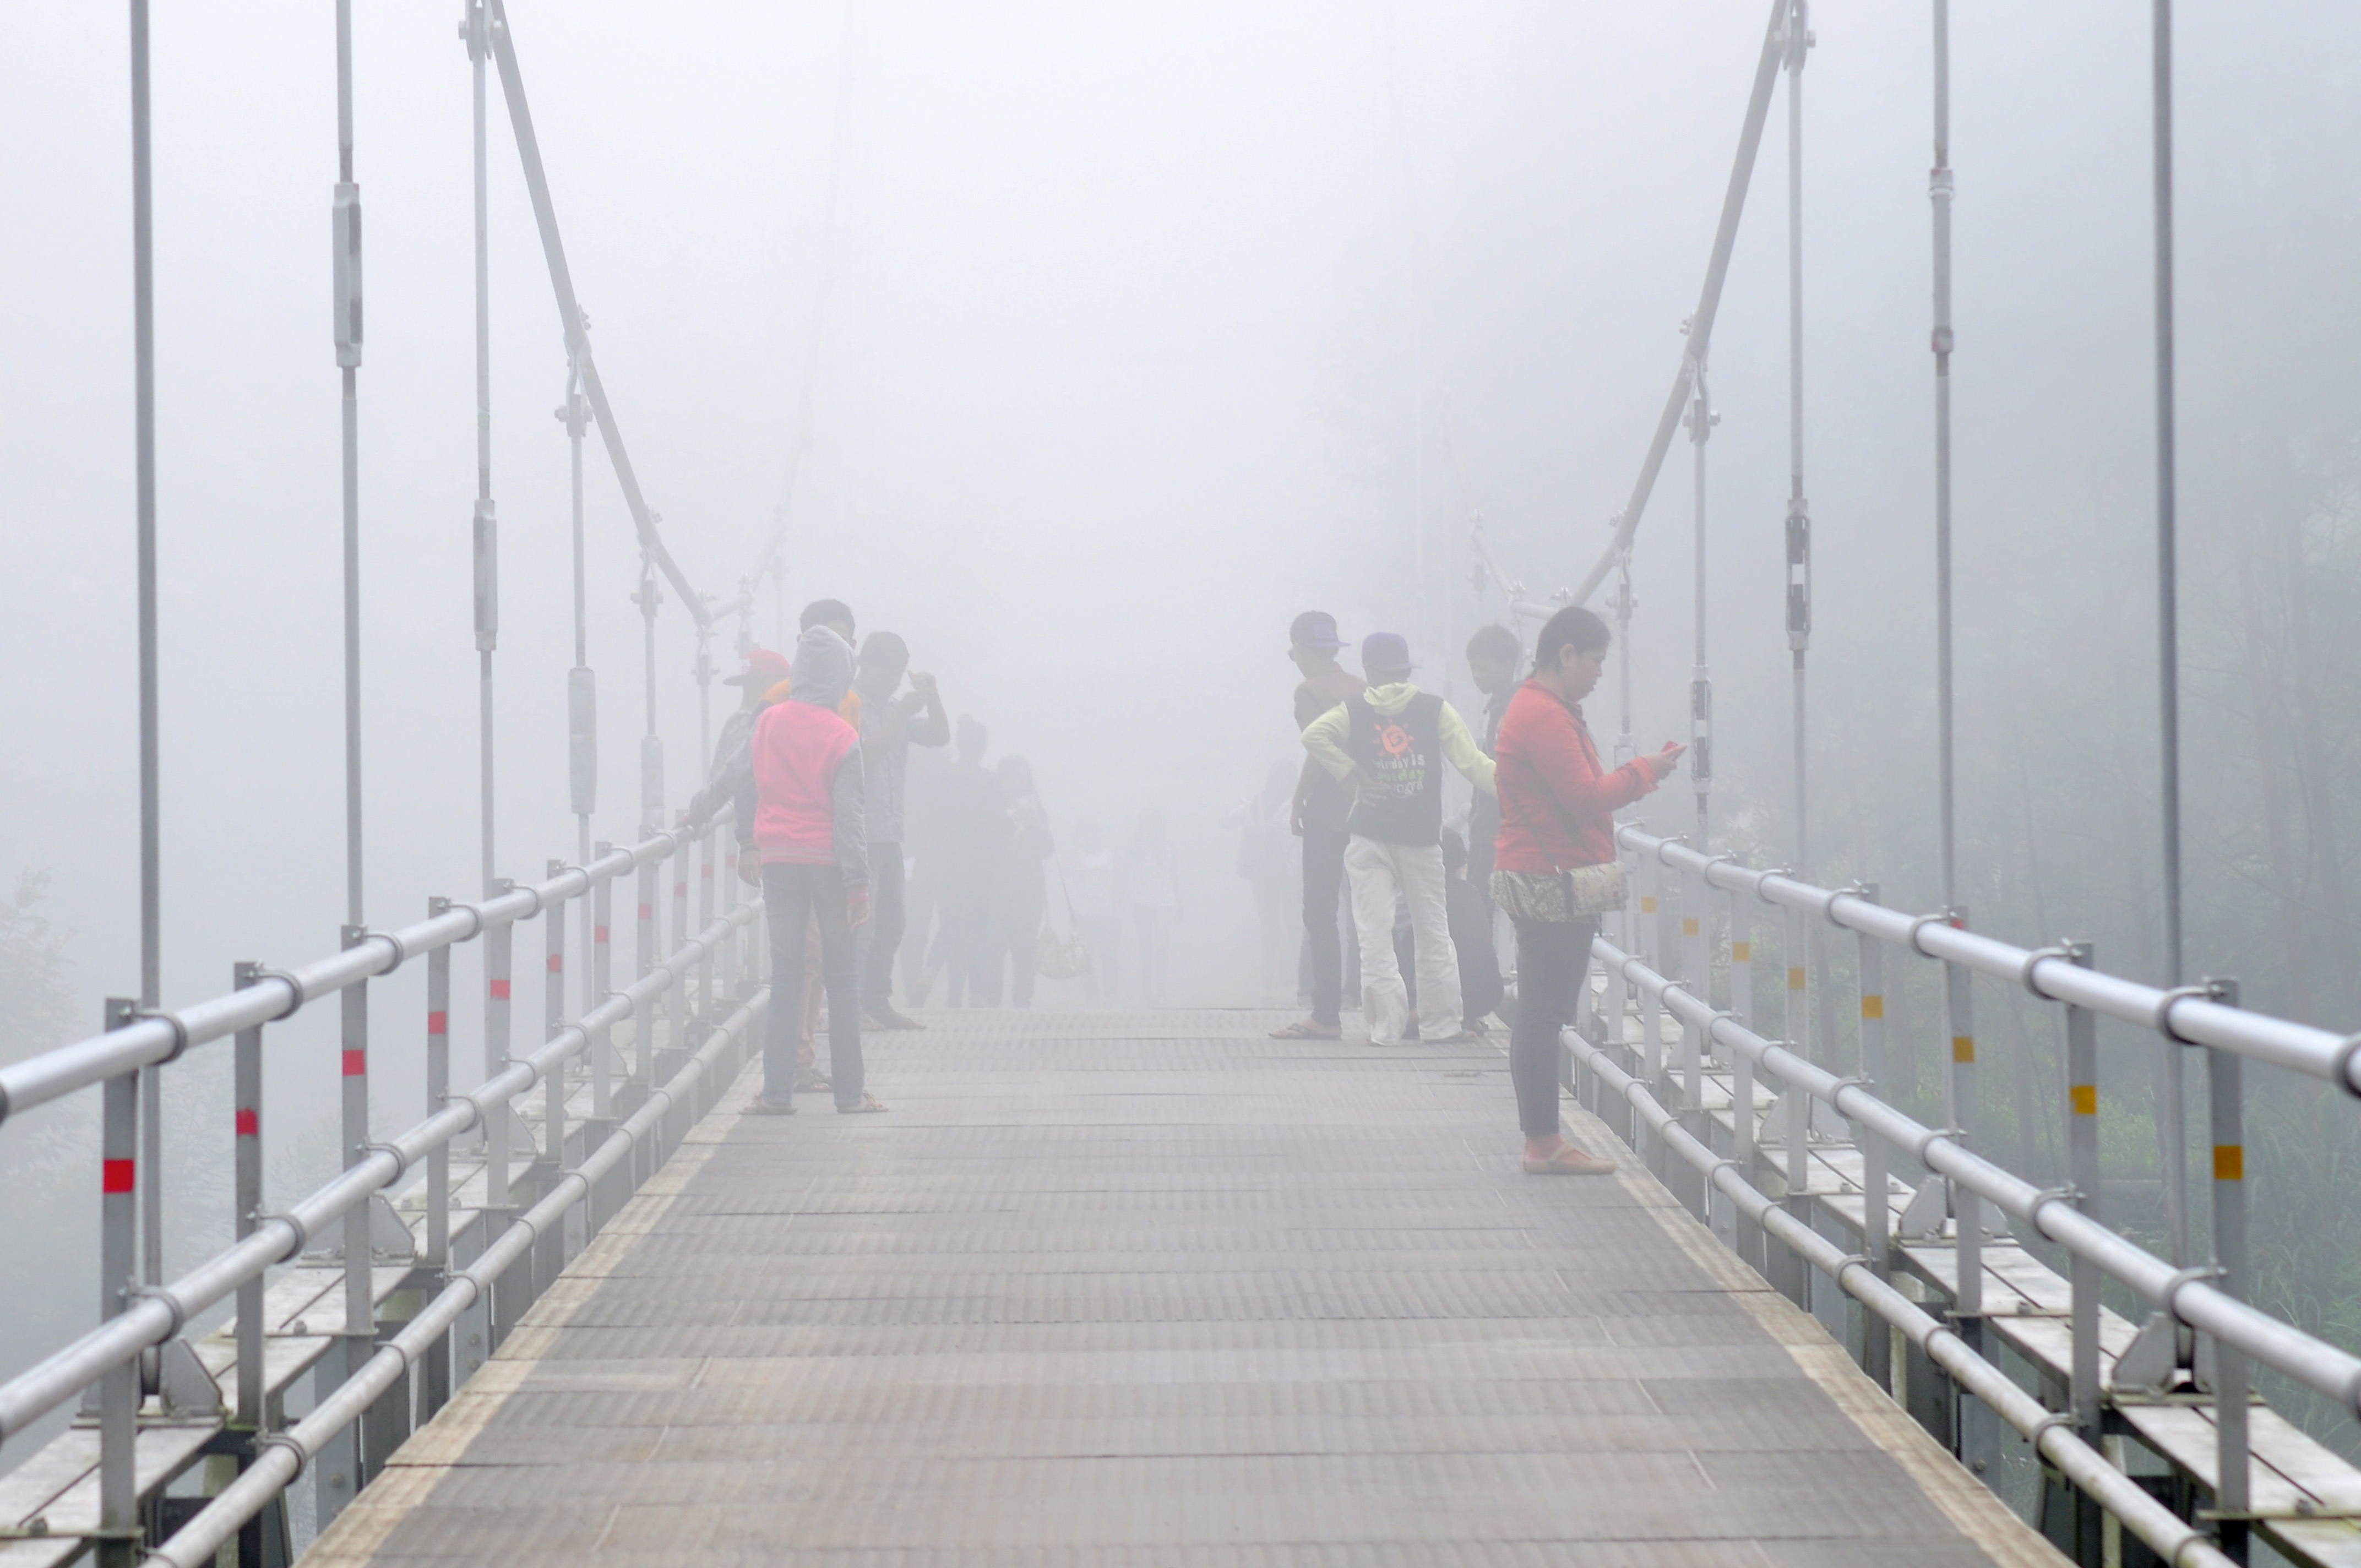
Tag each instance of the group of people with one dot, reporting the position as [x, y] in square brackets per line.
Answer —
[815, 763]
[1368, 807]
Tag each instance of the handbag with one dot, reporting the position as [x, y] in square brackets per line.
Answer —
[1562, 894]
[1066, 957]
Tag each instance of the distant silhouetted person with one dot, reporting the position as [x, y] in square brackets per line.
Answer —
[1493, 655]
[1020, 890]
[967, 857]
[1151, 890]
[1323, 805]
[892, 721]
[1264, 861]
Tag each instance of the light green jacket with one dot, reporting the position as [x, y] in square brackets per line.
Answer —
[1325, 736]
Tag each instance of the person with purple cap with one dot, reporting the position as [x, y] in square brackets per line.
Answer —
[1392, 742]
[1322, 806]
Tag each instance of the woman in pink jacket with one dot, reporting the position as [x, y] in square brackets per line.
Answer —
[804, 786]
[1557, 816]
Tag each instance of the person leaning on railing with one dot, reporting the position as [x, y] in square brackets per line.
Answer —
[1554, 866]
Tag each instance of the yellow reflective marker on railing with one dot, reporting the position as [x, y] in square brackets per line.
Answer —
[1872, 1007]
[1794, 978]
[2229, 1162]
[2086, 1098]
[1963, 1047]
[1741, 953]
[1647, 904]
[1689, 926]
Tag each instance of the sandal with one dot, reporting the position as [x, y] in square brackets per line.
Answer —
[869, 1104]
[1309, 1029]
[1571, 1159]
[813, 1083]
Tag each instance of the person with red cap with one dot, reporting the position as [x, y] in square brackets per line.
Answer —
[764, 669]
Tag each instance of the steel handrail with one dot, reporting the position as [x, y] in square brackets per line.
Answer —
[161, 1036]
[154, 1316]
[2313, 1362]
[2174, 1539]
[285, 1458]
[2190, 1020]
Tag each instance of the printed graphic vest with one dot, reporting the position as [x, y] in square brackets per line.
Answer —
[1401, 802]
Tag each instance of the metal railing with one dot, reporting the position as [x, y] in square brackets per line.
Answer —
[2208, 1299]
[140, 1317]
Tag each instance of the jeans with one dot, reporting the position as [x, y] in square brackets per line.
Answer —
[1323, 874]
[889, 917]
[795, 895]
[1378, 871]
[1551, 960]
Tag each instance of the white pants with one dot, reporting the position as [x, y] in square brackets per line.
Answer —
[1376, 871]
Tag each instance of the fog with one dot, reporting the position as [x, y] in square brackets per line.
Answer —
[1128, 335]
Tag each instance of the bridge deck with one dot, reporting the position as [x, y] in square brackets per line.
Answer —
[1157, 1289]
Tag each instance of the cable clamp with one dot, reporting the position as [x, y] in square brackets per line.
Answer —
[303, 1233]
[1919, 924]
[180, 1031]
[1858, 1081]
[265, 1441]
[301, 992]
[2186, 1277]
[401, 1160]
[2034, 958]
[401, 949]
[2161, 1019]
[2054, 1419]
[2343, 1069]
[1835, 1269]
[172, 1304]
[1856, 889]
[2069, 1193]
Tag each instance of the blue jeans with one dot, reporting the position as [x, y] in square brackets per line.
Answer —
[793, 895]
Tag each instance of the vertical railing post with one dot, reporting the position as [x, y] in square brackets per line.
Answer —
[1978, 1437]
[2083, 1389]
[2226, 1112]
[245, 1179]
[339, 1469]
[553, 1019]
[499, 1143]
[1616, 998]
[1698, 977]
[434, 1372]
[643, 1013]
[732, 892]
[1877, 1339]
[603, 1049]
[246, 1202]
[572, 1233]
[118, 1246]
[706, 893]
[677, 995]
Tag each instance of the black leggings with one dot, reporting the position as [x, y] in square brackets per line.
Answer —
[1551, 960]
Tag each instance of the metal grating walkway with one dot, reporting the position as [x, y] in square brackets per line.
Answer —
[1157, 1289]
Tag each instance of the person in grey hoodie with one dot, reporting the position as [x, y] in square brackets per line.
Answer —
[801, 802]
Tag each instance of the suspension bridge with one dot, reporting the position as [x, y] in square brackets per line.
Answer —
[1157, 1286]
